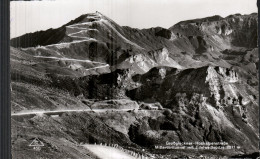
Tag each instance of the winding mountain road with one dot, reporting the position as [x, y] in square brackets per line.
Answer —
[78, 60]
[57, 112]
[106, 152]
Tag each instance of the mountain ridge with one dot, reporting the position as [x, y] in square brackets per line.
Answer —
[191, 82]
[83, 16]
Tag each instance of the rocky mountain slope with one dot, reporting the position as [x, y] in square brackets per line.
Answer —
[202, 74]
[212, 98]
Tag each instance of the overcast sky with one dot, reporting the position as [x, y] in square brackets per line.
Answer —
[33, 16]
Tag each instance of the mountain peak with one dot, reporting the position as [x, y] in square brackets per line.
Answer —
[98, 13]
[90, 17]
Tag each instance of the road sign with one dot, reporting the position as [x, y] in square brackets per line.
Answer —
[36, 144]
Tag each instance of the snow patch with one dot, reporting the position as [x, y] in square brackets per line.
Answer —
[228, 32]
[173, 36]
[232, 90]
[219, 116]
[213, 81]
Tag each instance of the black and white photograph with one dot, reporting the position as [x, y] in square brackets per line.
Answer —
[134, 79]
